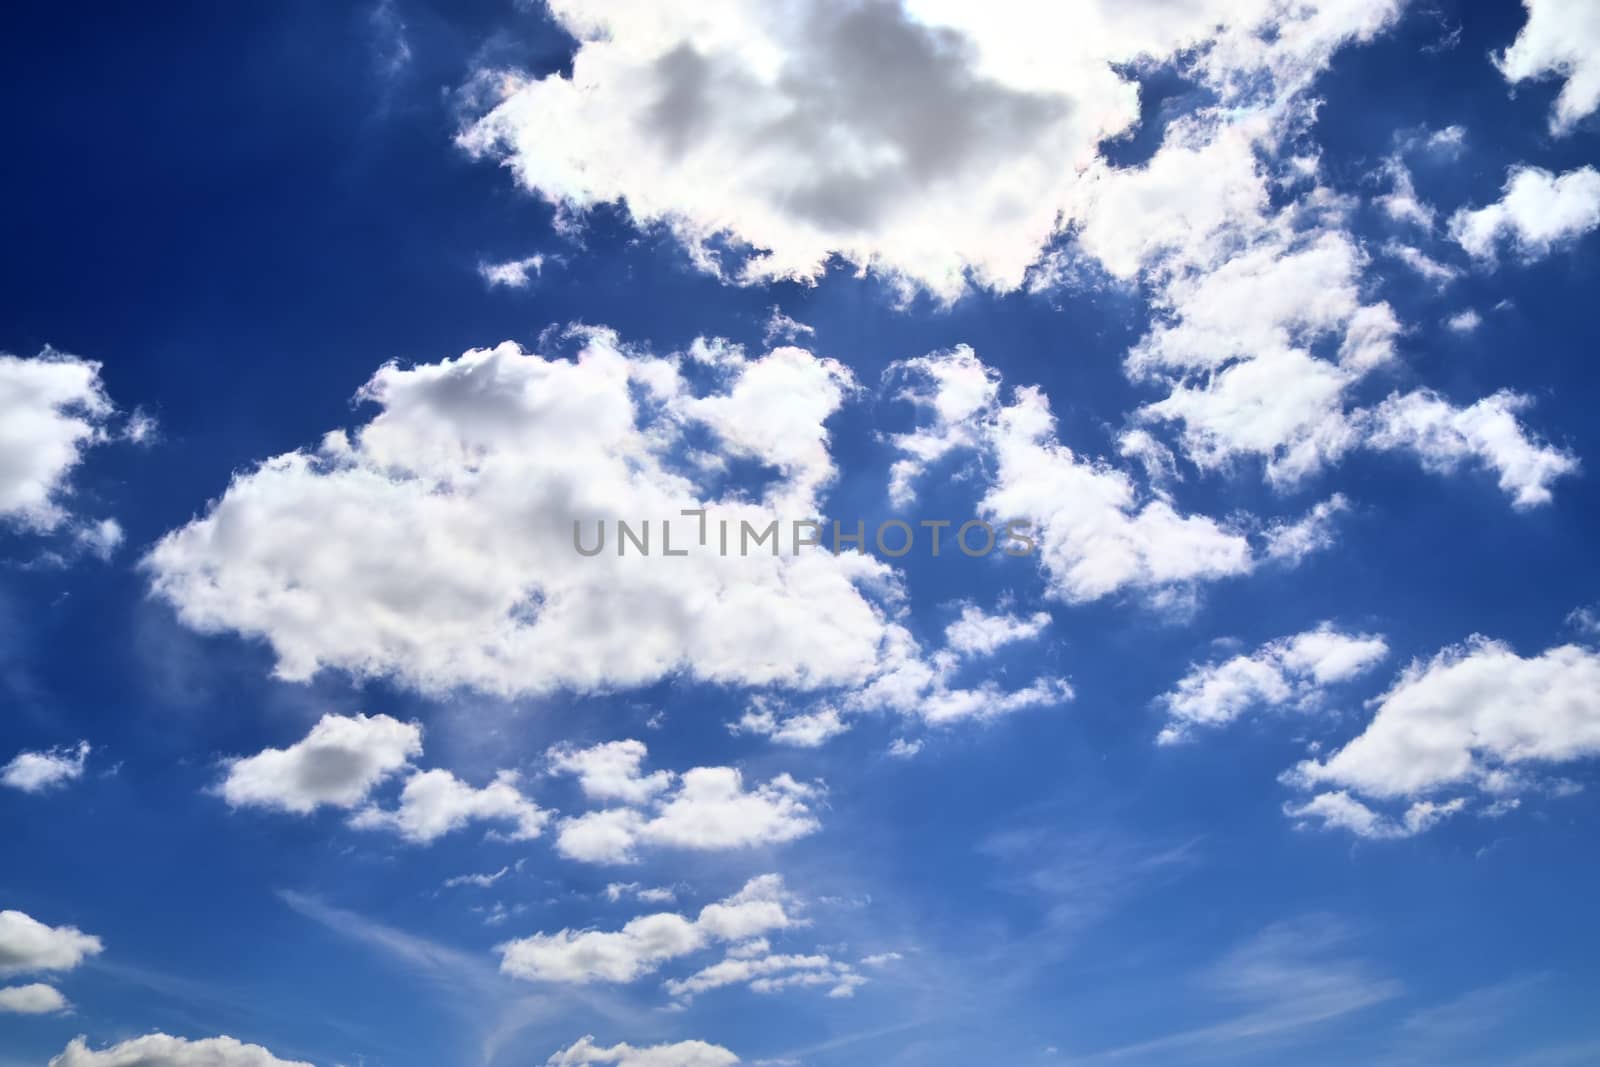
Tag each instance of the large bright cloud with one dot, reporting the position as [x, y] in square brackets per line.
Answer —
[164, 1050]
[1475, 721]
[936, 142]
[53, 407]
[435, 544]
[1561, 40]
[337, 764]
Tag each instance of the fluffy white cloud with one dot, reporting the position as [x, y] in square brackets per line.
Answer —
[977, 632]
[337, 764]
[34, 999]
[35, 772]
[1464, 322]
[1444, 437]
[708, 809]
[26, 944]
[1537, 213]
[1291, 672]
[163, 1050]
[1474, 718]
[936, 142]
[1561, 39]
[642, 945]
[1094, 535]
[52, 408]
[434, 803]
[611, 771]
[808, 729]
[435, 545]
[678, 1054]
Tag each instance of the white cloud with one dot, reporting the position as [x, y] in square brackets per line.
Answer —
[34, 999]
[1401, 203]
[1094, 535]
[978, 633]
[53, 408]
[704, 809]
[1464, 322]
[1538, 213]
[1561, 39]
[901, 748]
[26, 944]
[434, 803]
[679, 1054]
[163, 1050]
[337, 764]
[513, 273]
[611, 771]
[36, 772]
[934, 142]
[1290, 672]
[434, 545]
[642, 945]
[482, 881]
[1340, 811]
[1430, 269]
[770, 973]
[1474, 718]
[809, 729]
[1445, 436]
[1292, 542]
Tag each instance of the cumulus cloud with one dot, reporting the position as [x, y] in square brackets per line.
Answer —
[644, 944]
[807, 729]
[435, 544]
[26, 944]
[937, 143]
[704, 809]
[1476, 721]
[1340, 811]
[163, 1050]
[434, 803]
[1537, 213]
[36, 772]
[678, 1054]
[1487, 433]
[344, 758]
[53, 408]
[977, 632]
[611, 771]
[337, 764]
[1290, 672]
[1095, 536]
[34, 999]
[1560, 40]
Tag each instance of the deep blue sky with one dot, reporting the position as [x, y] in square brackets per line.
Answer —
[242, 213]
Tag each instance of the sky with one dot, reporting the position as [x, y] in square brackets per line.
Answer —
[1257, 335]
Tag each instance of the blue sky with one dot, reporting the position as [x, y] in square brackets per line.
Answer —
[323, 324]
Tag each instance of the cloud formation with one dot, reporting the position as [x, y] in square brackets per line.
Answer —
[36, 772]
